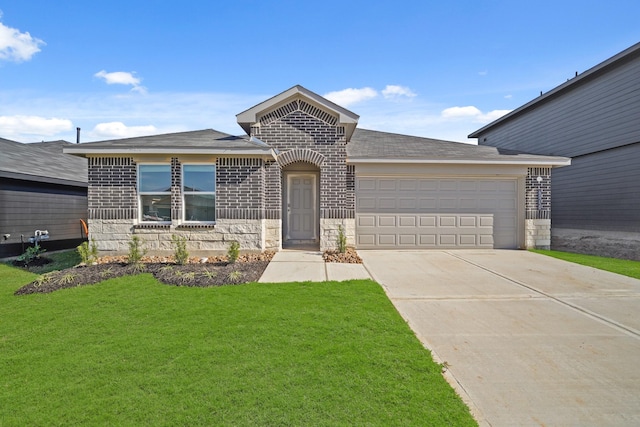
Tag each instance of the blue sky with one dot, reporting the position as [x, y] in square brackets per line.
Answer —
[435, 69]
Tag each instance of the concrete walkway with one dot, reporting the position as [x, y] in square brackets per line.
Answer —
[308, 266]
[528, 340]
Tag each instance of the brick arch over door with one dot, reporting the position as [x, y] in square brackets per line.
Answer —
[300, 155]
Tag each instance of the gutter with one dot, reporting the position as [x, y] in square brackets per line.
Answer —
[556, 161]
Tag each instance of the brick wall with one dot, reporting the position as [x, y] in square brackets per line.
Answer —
[298, 125]
[112, 188]
[240, 188]
[538, 194]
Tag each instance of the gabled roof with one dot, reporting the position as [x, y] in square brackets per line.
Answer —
[591, 74]
[368, 146]
[206, 141]
[251, 116]
[42, 162]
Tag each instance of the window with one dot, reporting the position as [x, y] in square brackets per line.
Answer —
[154, 190]
[199, 192]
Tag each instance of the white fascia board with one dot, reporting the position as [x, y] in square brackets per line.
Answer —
[220, 152]
[550, 162]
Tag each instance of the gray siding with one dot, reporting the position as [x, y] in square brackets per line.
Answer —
[27, 207]
[599, 191]
[598, 114]
[595, 120]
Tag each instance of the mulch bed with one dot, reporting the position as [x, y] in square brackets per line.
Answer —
[201, 272]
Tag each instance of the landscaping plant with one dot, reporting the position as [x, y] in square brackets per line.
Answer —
[180, 249]
[233, 252]
[136, 251]
[31, 254]
[88, 252]
[342, 240]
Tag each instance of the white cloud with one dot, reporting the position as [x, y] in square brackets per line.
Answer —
[120, 130]
[508, 96]
[471, 112]
[457, 112]
[32, 125]
[351, 96]
[394, 91]
[16, 46]
[122, 78]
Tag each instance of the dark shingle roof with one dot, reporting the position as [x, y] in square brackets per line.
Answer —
[201, 141]
[369, 145]
[44, 161]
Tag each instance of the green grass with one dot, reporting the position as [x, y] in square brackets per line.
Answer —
[59, 261]
[620, 266]
[131, 351]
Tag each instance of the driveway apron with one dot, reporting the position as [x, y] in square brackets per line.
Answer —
[525, 339]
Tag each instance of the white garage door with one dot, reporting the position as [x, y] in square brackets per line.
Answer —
[436, 213]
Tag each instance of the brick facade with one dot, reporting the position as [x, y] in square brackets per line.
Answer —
[112, 188]
[538, 194]
[538, 208]
[240, 188]
[302, 133]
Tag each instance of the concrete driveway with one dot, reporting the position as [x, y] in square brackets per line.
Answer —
[527, 339]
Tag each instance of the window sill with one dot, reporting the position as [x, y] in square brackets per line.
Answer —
[161, 225]
[196, 225]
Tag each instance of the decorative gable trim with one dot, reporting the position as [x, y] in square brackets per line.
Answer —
[298, 105]
[300, 155]
[298, 99]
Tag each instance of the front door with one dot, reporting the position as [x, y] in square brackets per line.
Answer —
[301, 207]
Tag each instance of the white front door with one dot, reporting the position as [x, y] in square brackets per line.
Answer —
[301, 207]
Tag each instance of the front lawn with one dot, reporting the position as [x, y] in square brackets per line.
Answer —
[620, 266]
[132, 351]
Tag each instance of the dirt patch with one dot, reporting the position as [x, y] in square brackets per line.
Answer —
[201, 272]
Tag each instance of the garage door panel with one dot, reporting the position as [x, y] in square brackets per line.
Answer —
[408, 184]
[407, 221]
[447, 221]
[428, 240]
[407, 203]
[440, 213]
[447, 203]
[428, 221]
[366, 221]
[468, 240]
[387, 221]
[387, 240]
[407, 240]
[388, 184]
[428, 204]
[468, 221]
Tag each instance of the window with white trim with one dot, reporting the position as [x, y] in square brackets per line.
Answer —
[199, 192]
[154, 192]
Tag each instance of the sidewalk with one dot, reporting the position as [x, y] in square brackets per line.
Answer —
[308, 266]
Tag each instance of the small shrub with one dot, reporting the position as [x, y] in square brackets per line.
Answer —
[180, 249]
[136, 251]
[88, 253]
[32, 253]
[67, 278]
[235, 276]
[209, 274]
[342, 240]
[43, 279]
[233, 252]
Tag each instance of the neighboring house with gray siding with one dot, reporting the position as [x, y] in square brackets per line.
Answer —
[41, 188]
[302, 172]
[593, 118]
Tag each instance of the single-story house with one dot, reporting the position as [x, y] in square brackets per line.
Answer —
[41, 188]
[303, 172]
[594, 118]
